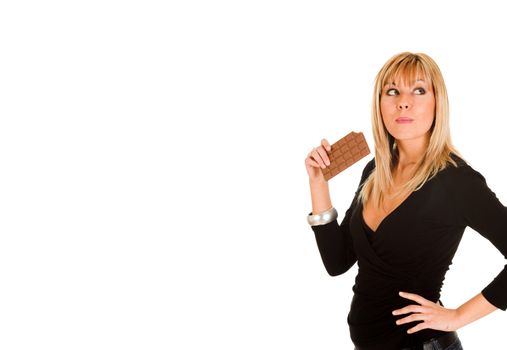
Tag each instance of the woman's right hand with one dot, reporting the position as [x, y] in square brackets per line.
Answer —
[317, 160]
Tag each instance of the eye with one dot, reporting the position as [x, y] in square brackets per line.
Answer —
[391, 92]
[421, 91]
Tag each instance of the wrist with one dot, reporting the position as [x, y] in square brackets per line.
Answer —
[318, 183]
[322, 218]
[457, 321]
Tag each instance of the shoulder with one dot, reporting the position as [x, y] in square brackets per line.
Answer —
[460, 161]
[461, 174]
[368, 168]
[370, 165]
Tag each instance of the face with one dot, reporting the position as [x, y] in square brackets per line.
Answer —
[408, 111]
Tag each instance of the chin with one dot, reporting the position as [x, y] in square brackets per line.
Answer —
[409, 137]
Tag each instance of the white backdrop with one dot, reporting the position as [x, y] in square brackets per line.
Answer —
[152, 183]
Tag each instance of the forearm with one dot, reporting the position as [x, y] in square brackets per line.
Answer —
[472, 310]
[321, 200]
[335, 249]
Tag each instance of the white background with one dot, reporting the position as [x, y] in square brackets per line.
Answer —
[152, 183]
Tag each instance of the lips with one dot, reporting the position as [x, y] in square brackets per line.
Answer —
[404, 119]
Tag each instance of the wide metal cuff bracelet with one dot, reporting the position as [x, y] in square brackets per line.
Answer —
[323, 218]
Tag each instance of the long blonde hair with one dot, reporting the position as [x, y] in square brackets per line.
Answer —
[407, 66]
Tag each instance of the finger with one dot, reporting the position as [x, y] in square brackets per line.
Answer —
[412, 318]
[323, 154]
[410, 308]
[317, 157]
[311, 162]
[416, 298]
[326, 144]
[417, 328]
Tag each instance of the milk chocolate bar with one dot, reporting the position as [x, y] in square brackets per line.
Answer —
[345, 152]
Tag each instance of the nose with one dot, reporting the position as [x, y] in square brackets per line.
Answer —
[403, 105]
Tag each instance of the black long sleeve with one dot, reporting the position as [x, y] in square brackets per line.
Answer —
[478, 207]
[334, 241]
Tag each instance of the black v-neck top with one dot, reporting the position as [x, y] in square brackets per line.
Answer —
[411, 251]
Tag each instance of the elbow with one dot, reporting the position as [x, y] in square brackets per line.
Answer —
[336, 271]
[335, 268]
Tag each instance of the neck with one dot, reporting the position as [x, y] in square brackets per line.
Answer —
[411, 151]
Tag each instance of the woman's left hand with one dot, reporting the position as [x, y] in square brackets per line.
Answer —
[434, 315]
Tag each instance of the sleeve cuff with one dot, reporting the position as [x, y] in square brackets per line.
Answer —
[498, 301]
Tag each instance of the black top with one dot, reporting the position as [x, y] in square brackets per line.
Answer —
[411, 251]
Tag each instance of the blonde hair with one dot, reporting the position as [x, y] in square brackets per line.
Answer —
[408, 66]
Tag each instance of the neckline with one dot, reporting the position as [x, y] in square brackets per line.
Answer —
[386, 217]
[395, 210]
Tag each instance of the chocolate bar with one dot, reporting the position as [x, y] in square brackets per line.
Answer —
[345, 152]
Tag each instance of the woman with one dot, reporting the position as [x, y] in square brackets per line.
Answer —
[403, 227]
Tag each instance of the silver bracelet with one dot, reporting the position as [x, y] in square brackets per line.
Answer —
[323, 218]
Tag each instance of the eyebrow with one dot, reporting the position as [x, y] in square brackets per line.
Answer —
[395, 84]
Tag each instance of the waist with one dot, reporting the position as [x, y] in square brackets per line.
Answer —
[371, 321]
[376, 284]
